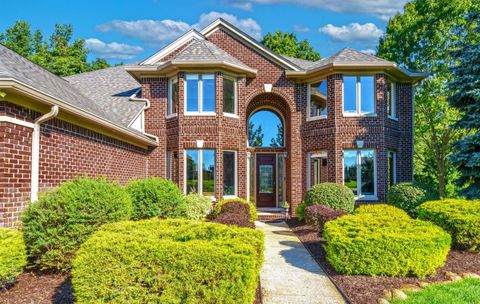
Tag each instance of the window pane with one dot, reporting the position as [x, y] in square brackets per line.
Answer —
[368, 91]
[228, 95]
[251, 172]
[175, 97]
[192, 93]
[389, 100]
[280, 178]
[368, 172]
[208, 173]
[265, 129]
[229, 173]
[391, 168]
[350, 170]
[208, 93]
[318, 99]
[192, 171]
[266, 178]
[350, 94]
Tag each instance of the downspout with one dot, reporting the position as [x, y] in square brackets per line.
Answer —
[146, 107]
[36, 150]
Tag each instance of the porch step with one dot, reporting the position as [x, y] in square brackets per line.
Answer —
[270, 214]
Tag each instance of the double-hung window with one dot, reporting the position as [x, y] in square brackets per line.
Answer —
[317, 100]
[200, 94]
[358, 95]
[392, 168]
[200, 172]
[229, 173]
[392, 101]
[359, 172]
[230, 103]
[173, 96]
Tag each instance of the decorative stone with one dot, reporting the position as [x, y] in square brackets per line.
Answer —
[423, 284]
[452, 276]
[410, 287]
[387, 294]
[382, 301]
[397, 294]
[470, 275]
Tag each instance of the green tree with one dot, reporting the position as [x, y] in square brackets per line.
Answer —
[420, 39]
[278, 140]
[287, 44]
[59, 54]
[466, 98]
[255, 136]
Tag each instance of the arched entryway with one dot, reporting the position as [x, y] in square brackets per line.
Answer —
[267, 128]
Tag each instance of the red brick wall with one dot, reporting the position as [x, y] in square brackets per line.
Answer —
[66, 151]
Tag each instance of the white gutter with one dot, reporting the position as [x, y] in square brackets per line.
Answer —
[146, 107]
[36, 150]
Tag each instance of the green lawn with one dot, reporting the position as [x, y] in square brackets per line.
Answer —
[463, 292]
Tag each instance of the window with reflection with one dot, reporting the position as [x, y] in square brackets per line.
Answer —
[200, 172]
[359, 172]
[317, 100]
[358, 95]
[265, 129]
[173, 96]
[229, 173]
[200, 93]
[229, 95]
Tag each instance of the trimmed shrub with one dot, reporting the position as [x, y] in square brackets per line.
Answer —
[300, 211]
[12, 256]
[317, 215]
[371, 244]
[168, 261]
[382, 210]
[460, 218]
[236, 207]
[252, 209]
[335, 196]
[237, 219]
[408, 196]
[56, 225]
[197, 206]
[156, 197]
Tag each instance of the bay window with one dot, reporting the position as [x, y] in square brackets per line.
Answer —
[317, 100]
[392, 168]
[229, 173]
[200, 172]
[359, 172]
[229, 95]
[173, 96]
[392, 101]
[199, 94]
[358, 95]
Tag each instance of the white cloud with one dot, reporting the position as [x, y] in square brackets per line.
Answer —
[112, 50]
[158, 32]
[244, 5]
[300, 29]
[367, 33]
[381, 8]
[369, 51]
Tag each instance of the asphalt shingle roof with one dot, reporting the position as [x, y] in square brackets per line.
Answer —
[301, 63]
[348, 56]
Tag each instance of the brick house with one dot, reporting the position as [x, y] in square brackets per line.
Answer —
[186, 114]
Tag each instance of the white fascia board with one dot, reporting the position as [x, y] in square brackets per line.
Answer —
[192, 34]
[220, 23]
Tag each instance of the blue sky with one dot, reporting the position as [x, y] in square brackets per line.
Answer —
[130, 31]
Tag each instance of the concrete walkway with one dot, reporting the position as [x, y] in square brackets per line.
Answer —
[290, 274]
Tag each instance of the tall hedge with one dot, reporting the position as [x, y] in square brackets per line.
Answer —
[168, 261]
[156, 197]
[56, 225]
[372, 244]
[12, 256]
[335, 196]
[460, 218]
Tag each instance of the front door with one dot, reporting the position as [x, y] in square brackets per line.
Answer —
[266, 182]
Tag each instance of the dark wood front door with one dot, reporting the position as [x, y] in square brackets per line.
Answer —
[266, 181]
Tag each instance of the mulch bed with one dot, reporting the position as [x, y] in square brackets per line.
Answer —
[364, 289]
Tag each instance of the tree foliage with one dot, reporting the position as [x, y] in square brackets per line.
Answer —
[421, 39]
[58, 54]
[255, 135]
[466, 98]
[287, 44]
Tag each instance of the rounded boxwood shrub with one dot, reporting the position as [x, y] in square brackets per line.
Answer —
[56, 225]
[252, 209]
[168, 261]
[12, 256]
[197, 206]
[237, 219]
[300, 211]
[370, 244]
[156, 197]
[408, 196]
[335, 196]
[317, 215]
[460, 218]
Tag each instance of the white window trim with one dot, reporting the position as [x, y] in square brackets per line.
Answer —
[169, 162]
[393, 99]
[199, 171]
[309, 97]
[310, 156]
[235, 195]
[171, 81]
[358, 96]
[394, 165]
[200, 111]
[361, 197]
[235, 98]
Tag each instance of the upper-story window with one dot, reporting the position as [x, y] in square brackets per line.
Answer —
[358, 95]
[392, 101]
[317, 100]
[173, 96]
[230, 103]
[200, 94]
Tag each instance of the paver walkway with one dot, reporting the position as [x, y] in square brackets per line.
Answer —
[290, 274]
